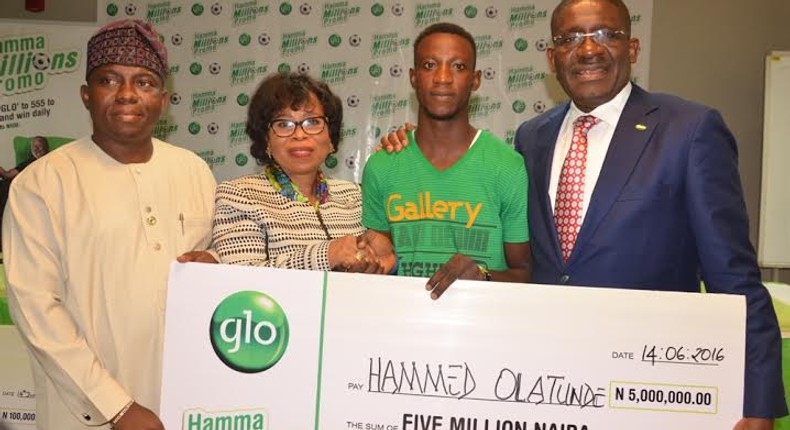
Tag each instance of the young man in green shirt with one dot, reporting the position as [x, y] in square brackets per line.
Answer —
[454, 201]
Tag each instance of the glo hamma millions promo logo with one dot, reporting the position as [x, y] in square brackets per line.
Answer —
[249, 331]
[27, 61]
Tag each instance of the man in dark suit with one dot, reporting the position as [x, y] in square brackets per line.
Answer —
[653, 202]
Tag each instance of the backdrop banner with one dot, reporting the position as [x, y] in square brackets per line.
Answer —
[17, 393]
[42, 66]
[220, 51]
[252, 348]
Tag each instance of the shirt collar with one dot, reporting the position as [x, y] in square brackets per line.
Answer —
[608, 112]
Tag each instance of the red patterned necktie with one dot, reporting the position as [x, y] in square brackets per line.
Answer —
[570, 189]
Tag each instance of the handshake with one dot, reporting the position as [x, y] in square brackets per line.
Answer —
[370, 252]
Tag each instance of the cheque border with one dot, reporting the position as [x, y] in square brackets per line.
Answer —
[321, 352]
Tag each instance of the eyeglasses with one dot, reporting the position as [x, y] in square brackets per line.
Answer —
[603, 36]
[287, 127]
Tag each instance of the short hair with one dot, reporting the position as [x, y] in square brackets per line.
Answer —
[288, 90]
[447, 28]
[625, 15]
[41, 138]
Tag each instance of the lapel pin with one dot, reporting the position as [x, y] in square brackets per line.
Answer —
[641, 127]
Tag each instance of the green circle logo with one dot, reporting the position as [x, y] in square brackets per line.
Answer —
[375, 70]
[520, 44]
[241, 159]
[244, 39]
[335, 40]
[242, 99]
[112, 9]
[377, 132]
[283, 68]
[194, 128]
[197, 9]
[285, 8]
[377, 9]
[519, 106]
[470, 11]
[331, 161]
[249, 331]
[195, 68]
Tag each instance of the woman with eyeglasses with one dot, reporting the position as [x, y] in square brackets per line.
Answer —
[290, 215]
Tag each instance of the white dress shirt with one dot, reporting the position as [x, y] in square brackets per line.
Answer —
[598, 139]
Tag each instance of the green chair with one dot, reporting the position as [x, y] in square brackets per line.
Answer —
[781, 295]
[5, 317]
[784, 423]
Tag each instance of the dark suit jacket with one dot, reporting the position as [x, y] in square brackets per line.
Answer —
[666, 211]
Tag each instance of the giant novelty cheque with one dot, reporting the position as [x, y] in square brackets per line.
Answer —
[253, 348]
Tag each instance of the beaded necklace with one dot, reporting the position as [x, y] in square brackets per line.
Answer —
[283, 185]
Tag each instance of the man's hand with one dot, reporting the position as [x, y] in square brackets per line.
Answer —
[396, 140]
[754, 424]
[350, 254]
[196, 257]
[381, 246]
[139, 418]
[458, 267]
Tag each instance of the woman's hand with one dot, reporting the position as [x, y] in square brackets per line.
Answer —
[363, 254]
[381, 246]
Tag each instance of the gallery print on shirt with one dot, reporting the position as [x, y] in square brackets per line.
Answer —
[89, 234]
[663, 204]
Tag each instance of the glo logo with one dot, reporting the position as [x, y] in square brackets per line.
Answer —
[249, 331]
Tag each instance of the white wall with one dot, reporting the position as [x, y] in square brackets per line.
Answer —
[713, 52]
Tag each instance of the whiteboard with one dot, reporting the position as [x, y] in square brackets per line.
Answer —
[774, 240]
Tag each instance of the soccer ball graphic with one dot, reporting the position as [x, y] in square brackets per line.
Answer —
[212, 128]
[489, 73]
[541, 45]
[264, 39]
[176, 39]
[351, 162]
[305, 9]
[216, 8]
[214, 68]
[40, 61]
[397, 9]
[396, 70]
[354, 40]
[491, 12]
[175, 98]
[130, 9]
[303, 69]
[539, 106]
[352, 101]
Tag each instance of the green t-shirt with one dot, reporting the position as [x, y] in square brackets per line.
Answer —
[473, 207]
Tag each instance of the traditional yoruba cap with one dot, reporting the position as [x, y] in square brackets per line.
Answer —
[129, 42]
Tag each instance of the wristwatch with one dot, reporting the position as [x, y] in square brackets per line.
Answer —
[483, 271]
